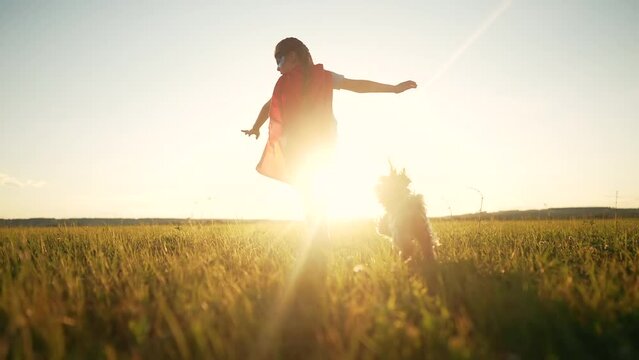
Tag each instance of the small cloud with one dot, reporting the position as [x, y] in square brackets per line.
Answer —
[6, 180]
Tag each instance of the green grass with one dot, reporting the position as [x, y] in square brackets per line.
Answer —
[503, 290]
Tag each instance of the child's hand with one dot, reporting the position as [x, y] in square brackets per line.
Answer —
[399, 88]
[255, 132]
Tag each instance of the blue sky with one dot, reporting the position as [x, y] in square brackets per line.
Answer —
[119, 109]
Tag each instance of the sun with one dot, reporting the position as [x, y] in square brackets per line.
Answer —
[346, 187]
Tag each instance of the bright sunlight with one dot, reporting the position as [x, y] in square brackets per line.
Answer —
[346, 188]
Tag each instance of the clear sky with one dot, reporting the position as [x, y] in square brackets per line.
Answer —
[134, 109]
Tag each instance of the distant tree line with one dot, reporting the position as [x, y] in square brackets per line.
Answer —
[554, 213]
[44, 222]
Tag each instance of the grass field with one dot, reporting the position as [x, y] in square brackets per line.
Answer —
[503, 290]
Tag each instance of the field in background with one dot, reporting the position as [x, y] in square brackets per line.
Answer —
[504, 289]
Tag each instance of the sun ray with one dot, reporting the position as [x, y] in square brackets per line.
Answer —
[280, 310]
[469, 41]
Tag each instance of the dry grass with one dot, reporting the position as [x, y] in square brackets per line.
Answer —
[534, 289]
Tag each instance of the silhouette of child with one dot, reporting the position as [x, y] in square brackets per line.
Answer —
[302, 127]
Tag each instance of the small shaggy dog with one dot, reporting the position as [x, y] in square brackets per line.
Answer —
[405, 220]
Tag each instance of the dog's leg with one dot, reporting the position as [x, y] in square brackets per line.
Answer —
[402, 239]
[425, 238]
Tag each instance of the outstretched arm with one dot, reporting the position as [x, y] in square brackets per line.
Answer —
[261, 119]
[367, 86]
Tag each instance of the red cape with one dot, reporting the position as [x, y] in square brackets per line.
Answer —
[301, 123]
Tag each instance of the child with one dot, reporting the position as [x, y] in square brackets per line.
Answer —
[302, 128]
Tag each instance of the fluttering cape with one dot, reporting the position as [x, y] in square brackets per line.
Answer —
[302, 127]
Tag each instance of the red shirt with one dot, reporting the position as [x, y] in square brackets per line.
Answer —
[302, 128]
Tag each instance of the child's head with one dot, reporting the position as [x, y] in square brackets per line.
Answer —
[291, 52]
